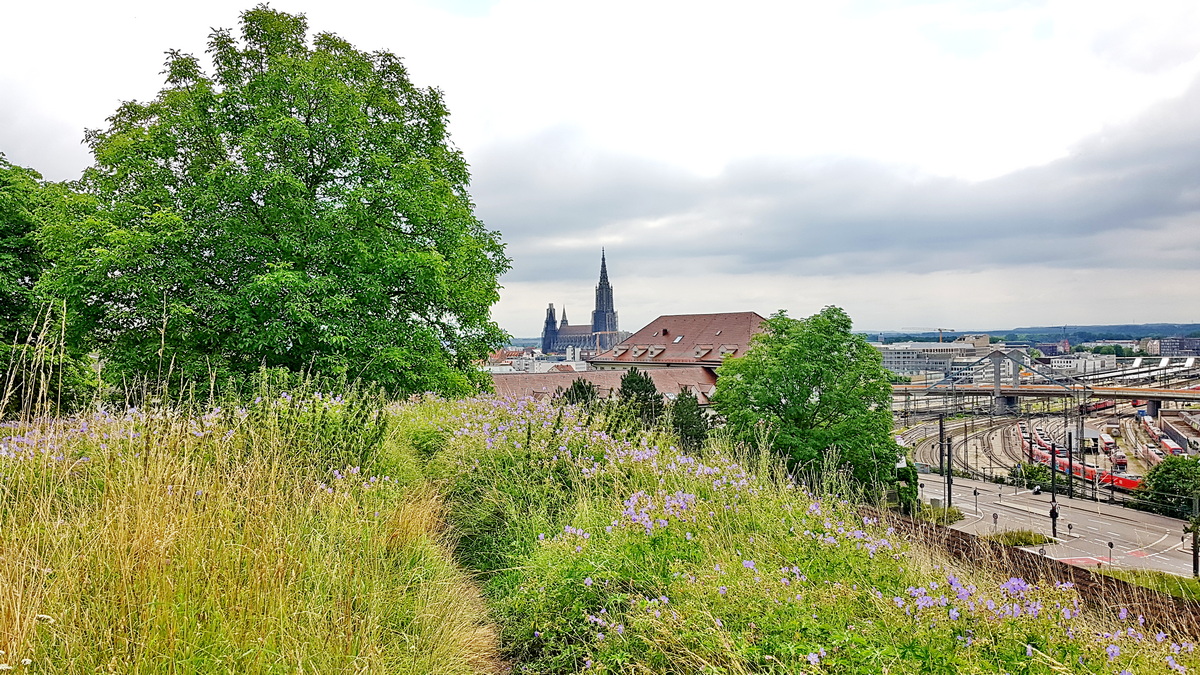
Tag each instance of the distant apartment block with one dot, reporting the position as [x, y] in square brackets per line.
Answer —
[1083, 363]
[1179, 346]
[914, 358]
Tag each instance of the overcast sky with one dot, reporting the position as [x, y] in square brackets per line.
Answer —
[954, 164]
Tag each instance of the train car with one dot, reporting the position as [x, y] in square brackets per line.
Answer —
[1137, 402]
[1123, 482]
[1089, 472]
[1152, 428]
[1171, 447]
[1096, 406]
[1107, 444]
[1120, 462]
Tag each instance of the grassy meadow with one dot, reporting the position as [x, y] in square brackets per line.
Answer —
[310, 532]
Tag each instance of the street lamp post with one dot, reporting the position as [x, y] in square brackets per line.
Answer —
[1193, 528]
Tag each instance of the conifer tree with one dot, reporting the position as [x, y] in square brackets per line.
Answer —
[688, 420]
[640, 395]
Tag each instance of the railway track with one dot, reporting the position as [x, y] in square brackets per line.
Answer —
[962, 436]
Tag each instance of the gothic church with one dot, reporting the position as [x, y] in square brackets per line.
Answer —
[600, 335]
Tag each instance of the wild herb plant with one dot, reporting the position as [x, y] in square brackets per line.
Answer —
[605, 554]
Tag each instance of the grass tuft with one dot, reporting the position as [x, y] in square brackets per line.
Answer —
[1018, 537]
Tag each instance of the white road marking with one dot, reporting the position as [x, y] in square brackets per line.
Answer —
[1154, 544]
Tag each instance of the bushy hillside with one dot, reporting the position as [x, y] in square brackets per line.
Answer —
[304, 532]
[611, 552]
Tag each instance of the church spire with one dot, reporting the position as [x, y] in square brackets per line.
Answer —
[549, 331]
[564, 319]
[604, 319]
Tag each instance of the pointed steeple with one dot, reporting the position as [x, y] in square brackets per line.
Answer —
[549, 331]
[604, 319]
[564, 319]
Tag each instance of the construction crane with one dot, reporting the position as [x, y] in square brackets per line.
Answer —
[925, 328]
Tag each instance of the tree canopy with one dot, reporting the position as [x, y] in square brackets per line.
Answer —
[814, 386]
[21, 197]
[1171, 485]
[301, 206]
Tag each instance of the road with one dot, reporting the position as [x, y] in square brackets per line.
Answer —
[1140, 540]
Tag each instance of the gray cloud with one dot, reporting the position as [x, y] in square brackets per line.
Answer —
[1150, 44]
[36, 138]
[1126, 198]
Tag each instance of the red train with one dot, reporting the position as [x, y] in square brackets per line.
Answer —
[1096, 406]
[1058, 456]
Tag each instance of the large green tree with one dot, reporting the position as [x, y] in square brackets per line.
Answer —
[1171, 485]
[36, 368]
[21, 197]
[814, 387]
[300, 206]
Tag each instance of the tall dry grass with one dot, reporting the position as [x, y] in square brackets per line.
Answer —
[158, 541]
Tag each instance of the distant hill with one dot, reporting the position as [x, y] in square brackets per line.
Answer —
[1126, 331]
[1074, 334]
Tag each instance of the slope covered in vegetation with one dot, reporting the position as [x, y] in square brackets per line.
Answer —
[331, 534]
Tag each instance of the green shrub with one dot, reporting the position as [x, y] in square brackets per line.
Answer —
[942, 515]
[1018, 538]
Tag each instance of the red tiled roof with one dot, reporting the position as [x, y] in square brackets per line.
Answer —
[668, 381]
[562, 368]
[503, 354]
[686, 339]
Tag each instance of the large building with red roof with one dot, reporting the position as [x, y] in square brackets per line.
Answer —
[682, 340]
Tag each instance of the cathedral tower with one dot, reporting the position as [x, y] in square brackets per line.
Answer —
[604, 319]
[549, 331]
